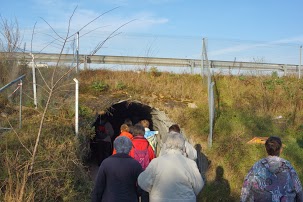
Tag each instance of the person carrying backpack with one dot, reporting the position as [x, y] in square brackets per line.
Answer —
[151, 136]
[141, 151]
[101, 143]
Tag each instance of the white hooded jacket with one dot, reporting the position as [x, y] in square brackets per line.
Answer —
[171, 177]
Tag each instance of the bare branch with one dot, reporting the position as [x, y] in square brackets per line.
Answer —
[18, 137]
[91, 31]
[110, 36]
[71, 69]
[11, 34]
[33, 37]
[53, 85]
[43, 79]
[52, 29]
[62, 86]
[96, 19]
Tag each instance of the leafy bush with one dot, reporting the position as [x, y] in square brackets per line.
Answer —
[154, 72]
[100, 86]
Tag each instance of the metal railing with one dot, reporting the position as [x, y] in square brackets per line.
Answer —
[19, 79]
[153, 61]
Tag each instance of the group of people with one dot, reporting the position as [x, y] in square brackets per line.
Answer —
[133, 171]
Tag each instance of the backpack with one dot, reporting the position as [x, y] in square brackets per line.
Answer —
[100, 131]
[142, 156]
[151, 138]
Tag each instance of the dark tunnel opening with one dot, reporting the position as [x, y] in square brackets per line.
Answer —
[116, 115]
[136, 112]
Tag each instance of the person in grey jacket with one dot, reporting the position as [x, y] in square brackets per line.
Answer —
[172, 176]
[190, 151]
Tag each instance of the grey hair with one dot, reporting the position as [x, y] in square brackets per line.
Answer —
[123, 144]
[138, 130]
[175, 141]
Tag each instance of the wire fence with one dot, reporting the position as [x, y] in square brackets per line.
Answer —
[14, 93]
[13, 88]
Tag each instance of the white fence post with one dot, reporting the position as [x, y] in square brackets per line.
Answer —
[34, 80]
[20, 110]
[76, 107]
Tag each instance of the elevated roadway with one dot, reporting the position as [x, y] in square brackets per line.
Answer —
[153, 61]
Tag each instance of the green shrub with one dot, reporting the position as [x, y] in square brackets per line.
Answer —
[154, 72]
[100, 86]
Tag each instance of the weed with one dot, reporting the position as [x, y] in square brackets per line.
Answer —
[100, 86]
[154, 72]
[120, 85]
[85, 111]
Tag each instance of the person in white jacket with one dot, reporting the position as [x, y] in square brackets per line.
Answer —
[172, 176]
[190, 151]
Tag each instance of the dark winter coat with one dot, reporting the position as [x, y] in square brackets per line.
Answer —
[117, 179]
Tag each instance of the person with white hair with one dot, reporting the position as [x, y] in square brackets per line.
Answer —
[172, 176]
[117, 175]
[190, 151]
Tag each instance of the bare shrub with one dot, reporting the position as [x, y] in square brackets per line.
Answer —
[10, 42]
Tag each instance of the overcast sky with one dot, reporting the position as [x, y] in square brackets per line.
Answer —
[265, 30]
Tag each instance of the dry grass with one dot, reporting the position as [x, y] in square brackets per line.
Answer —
[246, 106]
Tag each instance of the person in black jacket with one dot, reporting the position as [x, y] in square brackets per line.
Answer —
[101, 144]
[117, 176]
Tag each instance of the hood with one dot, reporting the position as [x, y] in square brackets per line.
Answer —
[273, 163]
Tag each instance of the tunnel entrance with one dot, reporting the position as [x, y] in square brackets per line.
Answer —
[135, 111]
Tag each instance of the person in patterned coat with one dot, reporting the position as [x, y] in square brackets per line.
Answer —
[272, 178]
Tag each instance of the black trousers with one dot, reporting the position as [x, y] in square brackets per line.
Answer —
[144, 196]
[101, 150]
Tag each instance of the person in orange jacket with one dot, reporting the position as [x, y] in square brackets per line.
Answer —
[124, 129]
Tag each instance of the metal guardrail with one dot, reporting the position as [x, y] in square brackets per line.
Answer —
[152, 61]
